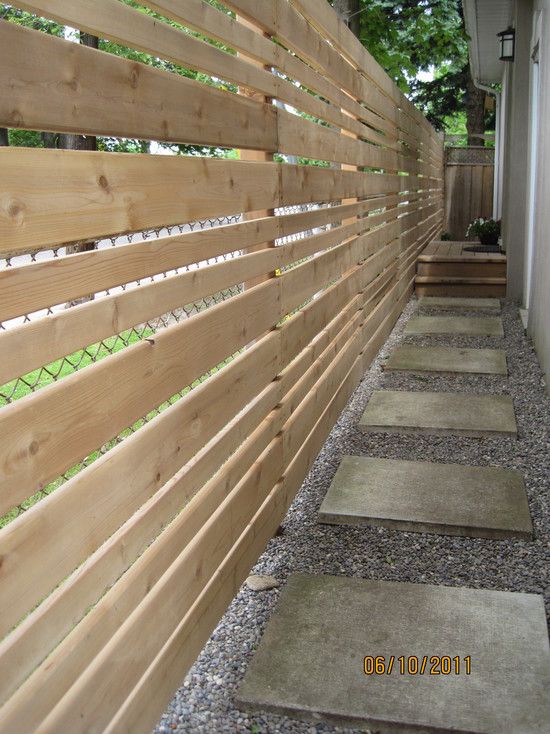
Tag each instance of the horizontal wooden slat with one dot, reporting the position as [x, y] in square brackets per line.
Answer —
[302, 184]
[40, 342]
[288, 25]
[55, 427]
[58, 196]
[305, 138]
[98, 194]
[305, 280]
[334, 29]
[103, 618]
[79, 413]
[129, 27]
[140, 466]
[53, 501]
[46, 283]
[217, 25]
[280, 19]
[47, 83]
[180, 650]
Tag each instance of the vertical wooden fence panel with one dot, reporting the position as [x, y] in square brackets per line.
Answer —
[468, 188]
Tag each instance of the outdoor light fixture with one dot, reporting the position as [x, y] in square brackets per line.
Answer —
[507, 40]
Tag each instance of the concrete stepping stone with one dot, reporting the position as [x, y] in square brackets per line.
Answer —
[448, 360]
[463, 325]
[439, 413]
[447, 659]
[481, 304]
[422, 497]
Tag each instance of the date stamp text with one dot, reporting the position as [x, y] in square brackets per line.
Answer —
[417, 665]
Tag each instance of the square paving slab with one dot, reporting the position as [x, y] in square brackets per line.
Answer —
[411, 358]
[311, 661]
[463, 325]
[440, 413]
[418, 496]
[485, 304]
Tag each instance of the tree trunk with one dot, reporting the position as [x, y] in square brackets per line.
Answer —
[80, 142]
[346, 8]
[49, 140]
[4, 136]
[475, 111]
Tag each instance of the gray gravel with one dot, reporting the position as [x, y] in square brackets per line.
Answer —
[204, 703]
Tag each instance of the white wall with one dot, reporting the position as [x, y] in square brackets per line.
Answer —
[539, 305]
[516, 150]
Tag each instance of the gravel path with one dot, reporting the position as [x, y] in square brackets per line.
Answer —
[203, 705]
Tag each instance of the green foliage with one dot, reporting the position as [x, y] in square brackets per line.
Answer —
[483, 227]
[411, 36]
[442, 98]
[28, 20]
[455, 124]
[25, 138]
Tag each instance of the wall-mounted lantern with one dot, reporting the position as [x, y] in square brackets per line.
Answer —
[507, 41]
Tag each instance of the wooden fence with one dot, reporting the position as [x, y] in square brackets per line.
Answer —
[469, 173]
[113, 580]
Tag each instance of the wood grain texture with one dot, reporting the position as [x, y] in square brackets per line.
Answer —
[79, 413]
[57, 196]
[46, 283]
[193, 567]
[129, 27]
[221, 27]
[47, 83]
[468, 195]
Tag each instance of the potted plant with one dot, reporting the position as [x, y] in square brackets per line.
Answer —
[487, 230]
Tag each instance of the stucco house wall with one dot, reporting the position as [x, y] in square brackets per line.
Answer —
[539, 307]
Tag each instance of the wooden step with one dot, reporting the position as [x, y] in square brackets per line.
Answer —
[461, 290]
[428, 285]
[449, 280]
[447, 269]
[472, 257]
[462, 269]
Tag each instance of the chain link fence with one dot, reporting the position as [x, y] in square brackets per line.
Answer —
[25, 385]
[37, 379]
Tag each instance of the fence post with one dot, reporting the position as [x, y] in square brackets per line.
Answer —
[256, 155]
[347, 166]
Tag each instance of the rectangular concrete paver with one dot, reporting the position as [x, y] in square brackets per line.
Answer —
[463, 325]
[411, 358]
[419, 496]
[484, 304]
[448, 659]
[442, 413]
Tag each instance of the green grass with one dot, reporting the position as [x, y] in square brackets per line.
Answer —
[54, 371]
[39, 378]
